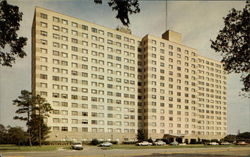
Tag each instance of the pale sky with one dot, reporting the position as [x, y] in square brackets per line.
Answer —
[197, 21]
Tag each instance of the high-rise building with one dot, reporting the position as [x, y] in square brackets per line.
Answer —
[106, 84]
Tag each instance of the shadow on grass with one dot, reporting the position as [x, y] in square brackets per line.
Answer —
[9, 147]
[186, 155]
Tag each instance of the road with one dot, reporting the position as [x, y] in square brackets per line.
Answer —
[175, 152]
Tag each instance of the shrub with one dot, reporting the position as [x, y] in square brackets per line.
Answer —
[214, 140]
[186, 141]
[193, 141]
[166, 141]
[129, 142]
[150, 140]
[206, 142]
[114, 142]
[95, 142]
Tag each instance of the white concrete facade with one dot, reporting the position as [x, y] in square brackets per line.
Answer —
[106, 84]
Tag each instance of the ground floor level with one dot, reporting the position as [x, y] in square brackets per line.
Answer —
[121, 137]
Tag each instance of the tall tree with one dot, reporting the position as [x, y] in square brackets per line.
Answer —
[39, 130]
[33, 110]
[11, 46]
[123, 8]
[233, 42]
[42, 108]
[25, 109]
[141, 135]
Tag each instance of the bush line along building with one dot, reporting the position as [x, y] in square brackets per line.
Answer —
[106, 84]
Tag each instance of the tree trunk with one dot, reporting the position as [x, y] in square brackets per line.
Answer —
[30, 143]
[40, 131]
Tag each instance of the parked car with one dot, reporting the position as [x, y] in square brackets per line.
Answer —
[174, 143]
[225, 143]
[159, 143]
[144, 143]
[105, 144]
[77, 146]
[213, 143]
[241, 143]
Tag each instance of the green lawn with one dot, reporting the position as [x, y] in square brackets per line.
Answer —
[28, 148]
[118, 146]
[124, 146]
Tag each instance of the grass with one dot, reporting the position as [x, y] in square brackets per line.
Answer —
[11, 148]
[124, 146]
[14, 148]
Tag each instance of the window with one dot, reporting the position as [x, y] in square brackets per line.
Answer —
[110, 34]
[74, 24]
[94, 30]
[56, 36]
[56, 19]
[118, 37]
[64, 30]
[64, 38]
[43, 59]
[43, 76]
[84, 27]
[64, 128]
[44, 42]
[43, 50]
[56, 28]
[73, 48]
[73, 32]
[64, 46]
[84, 129]
[56, 44]
[101, 32]
[73, 40]
[43, 24]
[44, 16]
[64, 21]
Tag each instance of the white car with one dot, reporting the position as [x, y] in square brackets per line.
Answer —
[241, 143]
[77, 146]
[174, 143]
[159, 143]
[144, 143]
[213, 143]
[225, 143]
[105, 144]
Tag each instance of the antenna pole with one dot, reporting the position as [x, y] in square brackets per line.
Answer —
[166, 15]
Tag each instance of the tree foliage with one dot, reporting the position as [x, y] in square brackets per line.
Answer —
[243, 136]
[123, 8]
[11, 46]
[3, 134]
[13, 135]
[39, 130]
[33, 110]
[25, 109]
[41, 110]
[16, 135]
[229, 138]
[233, 41]
[141, 135]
